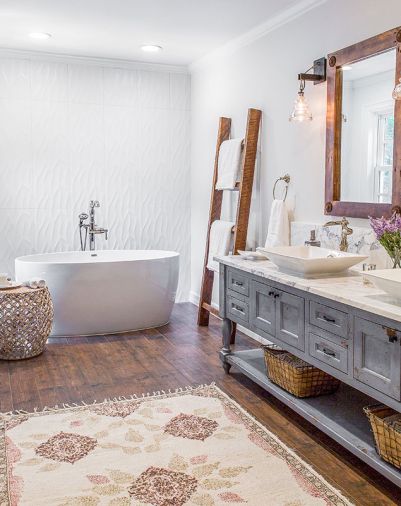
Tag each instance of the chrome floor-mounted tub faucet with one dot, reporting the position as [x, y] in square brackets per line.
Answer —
[90, 229]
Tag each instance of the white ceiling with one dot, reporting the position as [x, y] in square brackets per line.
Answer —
[187, 29]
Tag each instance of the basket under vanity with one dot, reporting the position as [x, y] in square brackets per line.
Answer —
[344, 327]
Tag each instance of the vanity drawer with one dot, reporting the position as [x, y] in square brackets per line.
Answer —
[237, 310]
[328, 318]
[237, 282]
[328, 352]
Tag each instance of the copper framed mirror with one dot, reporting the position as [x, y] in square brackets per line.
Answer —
[363, 128]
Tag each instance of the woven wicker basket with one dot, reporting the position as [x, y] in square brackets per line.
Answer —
[26, 318]
[387, 437]
[297, 376]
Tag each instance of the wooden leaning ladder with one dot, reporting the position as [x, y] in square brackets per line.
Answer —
[244, 187]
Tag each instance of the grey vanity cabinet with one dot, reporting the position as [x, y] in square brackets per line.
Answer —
[356, 347]
[360, 348]
[277, 313]
[377, 357]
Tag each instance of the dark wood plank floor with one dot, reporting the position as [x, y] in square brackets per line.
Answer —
[177, 355]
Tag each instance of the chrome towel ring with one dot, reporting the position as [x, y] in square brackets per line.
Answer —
[286, 178]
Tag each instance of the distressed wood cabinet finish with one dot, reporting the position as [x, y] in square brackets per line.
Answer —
[277, 313]
[377, 357]
[290, 319]
[360, 348]
[263, 310]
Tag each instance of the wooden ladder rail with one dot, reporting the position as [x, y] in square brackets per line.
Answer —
[243, 208]
[246, 182]
[216, 200]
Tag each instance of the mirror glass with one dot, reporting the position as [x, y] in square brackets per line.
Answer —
[367, 130]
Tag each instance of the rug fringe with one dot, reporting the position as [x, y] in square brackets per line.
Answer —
[148, 395]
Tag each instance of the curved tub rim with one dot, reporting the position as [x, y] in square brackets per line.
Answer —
[63, 261]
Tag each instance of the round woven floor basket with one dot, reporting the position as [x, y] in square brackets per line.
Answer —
[26, 318]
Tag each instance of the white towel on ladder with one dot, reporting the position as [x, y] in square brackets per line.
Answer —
[229, 164]
[219, 242]
[278, 233]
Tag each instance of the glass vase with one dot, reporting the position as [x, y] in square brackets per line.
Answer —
[395, 256]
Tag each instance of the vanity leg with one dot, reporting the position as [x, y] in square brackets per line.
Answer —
[233, 332]
[226, 367]
[227, 330]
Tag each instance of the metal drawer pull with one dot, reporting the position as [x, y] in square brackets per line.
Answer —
[276, 295]
[328, 352]
[392, 335]
[238, 308]
[238, 283]
[328, 320]
[271, 294]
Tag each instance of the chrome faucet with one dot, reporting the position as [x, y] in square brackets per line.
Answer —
[345, 231]
[90, 228]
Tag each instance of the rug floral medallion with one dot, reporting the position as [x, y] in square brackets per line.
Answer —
[194, 447]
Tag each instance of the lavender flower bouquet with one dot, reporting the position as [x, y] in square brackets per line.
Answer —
[388, 233]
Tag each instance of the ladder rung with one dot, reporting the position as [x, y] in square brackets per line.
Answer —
[210, 308]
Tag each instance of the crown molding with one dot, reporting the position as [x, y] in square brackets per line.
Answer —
[273, 23]
[89, 60]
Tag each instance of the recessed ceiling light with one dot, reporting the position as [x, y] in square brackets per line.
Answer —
[150, 48]
[40, 35]
[346, 67]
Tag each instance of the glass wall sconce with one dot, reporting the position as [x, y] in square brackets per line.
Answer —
[301, 111]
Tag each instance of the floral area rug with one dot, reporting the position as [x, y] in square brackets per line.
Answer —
[195, 447]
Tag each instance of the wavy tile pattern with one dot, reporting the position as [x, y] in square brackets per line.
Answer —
[70, 133]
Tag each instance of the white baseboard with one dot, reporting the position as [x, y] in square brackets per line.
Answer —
[194, 298]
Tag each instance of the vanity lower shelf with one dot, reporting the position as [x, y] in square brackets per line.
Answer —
[339, 415]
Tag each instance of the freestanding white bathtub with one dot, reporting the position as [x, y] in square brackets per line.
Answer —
[105, 292]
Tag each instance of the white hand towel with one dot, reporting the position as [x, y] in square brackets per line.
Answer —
[35, 283]
[278, 233]
[220, 241]
[229, 164]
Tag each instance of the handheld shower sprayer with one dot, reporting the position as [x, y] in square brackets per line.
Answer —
[83, 217]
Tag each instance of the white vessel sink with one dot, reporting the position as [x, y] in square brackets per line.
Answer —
[388, 280]
[310, 261]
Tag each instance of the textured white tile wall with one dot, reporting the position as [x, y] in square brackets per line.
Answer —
[73, 132]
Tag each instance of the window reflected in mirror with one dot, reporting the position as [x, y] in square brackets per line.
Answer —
[367, 129]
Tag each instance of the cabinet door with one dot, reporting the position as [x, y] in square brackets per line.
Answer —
[290, 319]
[377, 357]
[263, 311]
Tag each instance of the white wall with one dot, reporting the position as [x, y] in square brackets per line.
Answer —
[263, 74]
[73, 132]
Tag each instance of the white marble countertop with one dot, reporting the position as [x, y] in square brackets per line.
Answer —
[348, 288]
